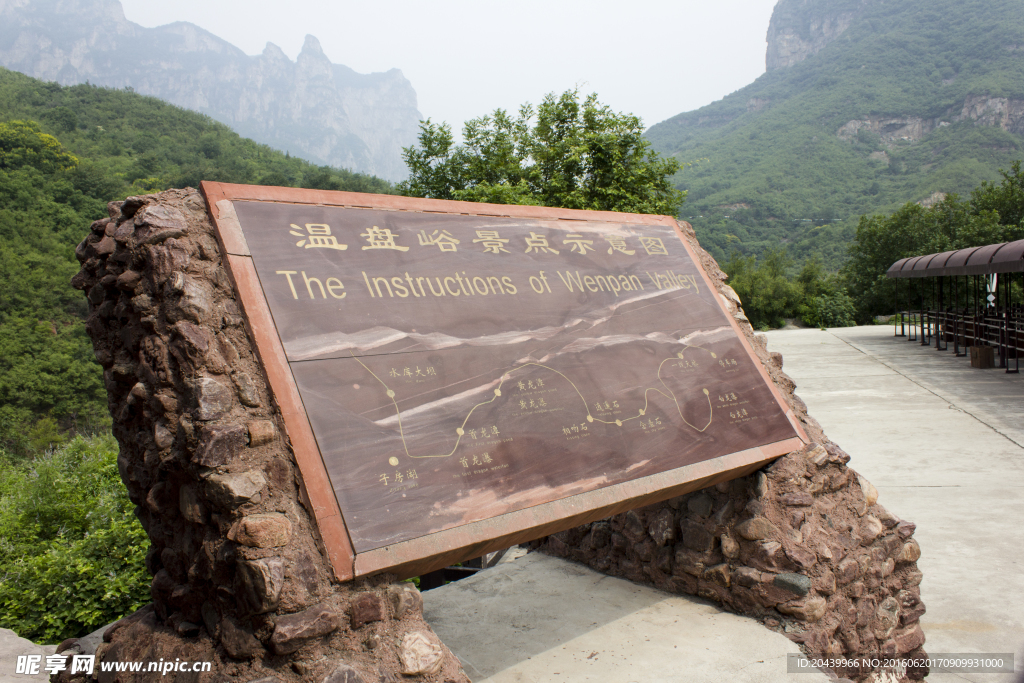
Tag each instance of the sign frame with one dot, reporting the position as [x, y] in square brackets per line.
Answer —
[442, 548]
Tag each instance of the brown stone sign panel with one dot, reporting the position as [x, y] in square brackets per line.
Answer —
[456, 377]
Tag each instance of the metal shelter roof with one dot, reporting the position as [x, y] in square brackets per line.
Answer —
[1005, 257]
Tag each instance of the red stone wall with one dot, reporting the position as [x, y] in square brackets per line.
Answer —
[239, 575]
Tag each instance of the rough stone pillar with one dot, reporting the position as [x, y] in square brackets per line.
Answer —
[240, 578]
[801, 544]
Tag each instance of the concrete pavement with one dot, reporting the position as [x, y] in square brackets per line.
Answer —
[541, 619]
[944, 445]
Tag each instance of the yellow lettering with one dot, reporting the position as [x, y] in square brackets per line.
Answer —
[491, 281]
[288, 274]
[323, 294]
[431, 285]
[332, 287]
[589, 282]
[400, 288]
[508, 283]
[376, 283]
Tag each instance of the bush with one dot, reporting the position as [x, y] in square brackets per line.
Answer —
[72, 554]
[835, 309]
[768, 295]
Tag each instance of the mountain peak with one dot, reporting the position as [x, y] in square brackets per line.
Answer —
[312, 46]
[346, 119]
[272, 51]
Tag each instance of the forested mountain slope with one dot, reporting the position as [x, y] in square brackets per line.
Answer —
[64, 153]
[866, 104]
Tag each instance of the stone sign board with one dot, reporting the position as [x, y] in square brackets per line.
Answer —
[457, 377]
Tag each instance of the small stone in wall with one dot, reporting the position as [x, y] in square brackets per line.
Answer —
[218, 444]
[662, 528]
[905, 530]
[870, 529]
[826, 583]
[190, 506]
[719, 574]
[748, 576]
[700, 505]
[794, 583]
[730, 548]
[291, 631]
[214, 399]
[247, 392]
[237, 642]
[849, 570]
[261, 432]
[911, 552]
[885, 619]
[261, 582]
[760, 484]
[869, 491]
[809, 609]
[817, 454]
[696, 537]
[231, 490]
[798, 499]
[366, 608]
[420, 654]
[270, 530]
[909, 639]
[769, 556]
[405, 599]
[343, 673]
[757, 528]
[805, 558]
[162, 436]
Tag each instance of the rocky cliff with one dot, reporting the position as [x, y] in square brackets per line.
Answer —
[326, 113]
[866, 105]
[800, 28]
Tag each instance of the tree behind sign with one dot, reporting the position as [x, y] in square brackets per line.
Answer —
[565, 153]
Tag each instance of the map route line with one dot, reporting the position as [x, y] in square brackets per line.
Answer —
[460, 431]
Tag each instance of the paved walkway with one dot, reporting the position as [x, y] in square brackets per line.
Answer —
[944, 445]
[542, 619]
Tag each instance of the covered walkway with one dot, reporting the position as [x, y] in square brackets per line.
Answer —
[968, 298]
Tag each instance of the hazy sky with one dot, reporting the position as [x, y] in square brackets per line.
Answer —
[653, 58]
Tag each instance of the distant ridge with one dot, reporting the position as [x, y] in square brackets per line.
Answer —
[865, 105]
[323, 112]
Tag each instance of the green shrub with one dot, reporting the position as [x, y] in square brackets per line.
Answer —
[768, 295]
[834, 309]
[72, 554]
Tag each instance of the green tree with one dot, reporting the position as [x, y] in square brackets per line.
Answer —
[1006, 198]
[565, 153]
[914, 230]
[767, 293]
[72, 553]
[22, 143]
